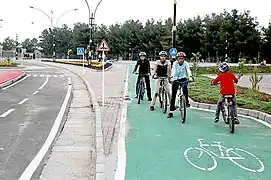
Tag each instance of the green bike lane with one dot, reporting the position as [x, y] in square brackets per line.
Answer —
[155, 146]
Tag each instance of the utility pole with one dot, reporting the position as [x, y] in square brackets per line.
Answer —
[174, 28]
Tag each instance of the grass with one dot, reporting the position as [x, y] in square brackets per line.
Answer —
[202, 91]
[234, 69]
[8, 64]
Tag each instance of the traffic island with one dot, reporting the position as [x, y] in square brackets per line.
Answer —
[92, 65]
[9, 77]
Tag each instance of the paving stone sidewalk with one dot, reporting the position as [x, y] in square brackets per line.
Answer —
[73, 155]
[111, 112]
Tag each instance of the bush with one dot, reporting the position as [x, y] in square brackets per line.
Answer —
[7, 63]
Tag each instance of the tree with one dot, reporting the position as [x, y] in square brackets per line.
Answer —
[9, 44]
[30, 45]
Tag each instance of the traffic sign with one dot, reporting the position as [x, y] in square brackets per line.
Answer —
[173, 51]
[80, 51]
[103, 46]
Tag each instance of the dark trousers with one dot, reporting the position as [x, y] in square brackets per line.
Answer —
[175, 86]
[148, 86]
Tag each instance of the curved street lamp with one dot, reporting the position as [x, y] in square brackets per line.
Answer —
[51, 19]
[91, 17]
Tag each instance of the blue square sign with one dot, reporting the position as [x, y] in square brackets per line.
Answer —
[80, 51]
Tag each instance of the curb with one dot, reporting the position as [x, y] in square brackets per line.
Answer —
[9, 82]
[99, 70]
[246, 112]
[100, 156]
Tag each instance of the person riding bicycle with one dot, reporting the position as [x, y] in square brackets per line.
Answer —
[162, 68]
[227, 80]
[180, 72]
[145, 70]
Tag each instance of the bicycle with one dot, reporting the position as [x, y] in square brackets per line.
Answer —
[231, 155]
[141, 88]
[162, 93]
[227, 112]
[181, 101]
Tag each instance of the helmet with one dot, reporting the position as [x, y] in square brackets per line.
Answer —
[224, 67]
[163, 53]
[181, 54]
[142, 54]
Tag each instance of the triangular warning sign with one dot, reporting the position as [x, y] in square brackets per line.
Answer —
[103, 46]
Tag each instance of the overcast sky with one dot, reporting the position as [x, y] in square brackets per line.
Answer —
[17, 16]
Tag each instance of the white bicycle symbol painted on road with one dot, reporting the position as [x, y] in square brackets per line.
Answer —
[231, 154]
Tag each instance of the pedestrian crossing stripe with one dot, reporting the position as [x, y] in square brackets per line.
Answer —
[44, 75]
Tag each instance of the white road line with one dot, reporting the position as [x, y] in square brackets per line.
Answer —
[42, 75]
[35, 75]
[6, 113]
[23, 101]
[36, 92]
[55, 75]
[31, 168]
[15, 83]
[46, 80]
[121, 164]
[49, 75]
[61, 76]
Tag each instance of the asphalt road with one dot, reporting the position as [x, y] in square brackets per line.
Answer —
[27, 113]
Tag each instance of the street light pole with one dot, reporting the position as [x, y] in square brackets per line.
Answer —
[1, 20]
[174, 28]
[51, 19]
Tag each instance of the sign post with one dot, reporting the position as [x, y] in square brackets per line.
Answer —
[104, 48]
[80, 52]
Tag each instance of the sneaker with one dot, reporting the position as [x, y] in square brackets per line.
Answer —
[136, 97]
[170, 115]
[150, 99]
[216, 120]
[236, 121]
[152, 108]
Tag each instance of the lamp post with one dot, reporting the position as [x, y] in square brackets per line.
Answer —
[51, 19]
[91, 17]
[174, 28]
[1, 20]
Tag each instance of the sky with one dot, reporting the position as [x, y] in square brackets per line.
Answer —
[18, 17]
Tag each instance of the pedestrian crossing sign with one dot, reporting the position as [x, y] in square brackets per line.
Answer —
[80, 51]
[103, 46]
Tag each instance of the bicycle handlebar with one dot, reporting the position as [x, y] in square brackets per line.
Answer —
[141, 74]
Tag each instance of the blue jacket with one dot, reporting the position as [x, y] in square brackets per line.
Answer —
[179, 72]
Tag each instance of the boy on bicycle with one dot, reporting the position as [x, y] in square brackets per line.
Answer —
[227, 80]
[161, 69]
[145, 70]
[180, 71]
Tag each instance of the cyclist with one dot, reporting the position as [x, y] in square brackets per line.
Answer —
[145, 70]
[227, 80]
[180, 72]
[162, 68]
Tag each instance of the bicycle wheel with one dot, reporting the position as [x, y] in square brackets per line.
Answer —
[160, 99]
[224, 115]
[193, 155]
[139, 93]
[231, 119]
[245, 160]
[164, 101]
[182, 108]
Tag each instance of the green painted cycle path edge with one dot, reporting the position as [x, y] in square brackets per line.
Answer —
[158, 148]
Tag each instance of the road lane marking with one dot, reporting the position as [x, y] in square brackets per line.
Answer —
[23, 101]
[42, 75]
[46, 80]
[35, 75]
[15, 82]
[6, 113]
[31, 168]
[55, 75]
[34, 93]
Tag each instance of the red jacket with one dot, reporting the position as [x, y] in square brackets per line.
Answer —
[227, 81]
